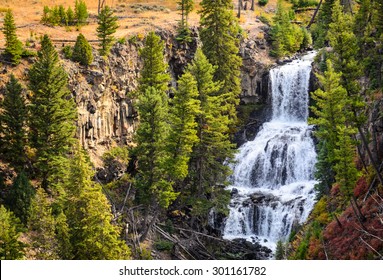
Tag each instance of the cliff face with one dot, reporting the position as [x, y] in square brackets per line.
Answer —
[102, 91]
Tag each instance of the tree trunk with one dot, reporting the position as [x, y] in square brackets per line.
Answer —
[239, 8]
[315, 14]
[364, 140]
[252, 5]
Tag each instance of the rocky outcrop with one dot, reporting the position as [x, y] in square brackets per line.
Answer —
[102, 91]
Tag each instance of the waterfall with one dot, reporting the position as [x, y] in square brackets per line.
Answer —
[272, 184]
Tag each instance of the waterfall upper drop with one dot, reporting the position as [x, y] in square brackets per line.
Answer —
[272, 184]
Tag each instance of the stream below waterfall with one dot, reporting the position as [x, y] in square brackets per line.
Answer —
[272, 185]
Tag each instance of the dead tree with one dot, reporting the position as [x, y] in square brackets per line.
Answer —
[101, 5]
[315, 14]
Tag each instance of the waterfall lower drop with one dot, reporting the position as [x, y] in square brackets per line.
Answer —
[272, 183]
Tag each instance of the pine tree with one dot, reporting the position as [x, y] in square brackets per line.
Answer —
[42, 228]
[10, 229]
[64, 245]
[151, 152]
[107, 26]
[344, 54]
[346, 172]
[183, 126]
[185, 6]
[219, 35]
[52, 114]
[93, 236]
[330, 112]
[70, 16]
[81, 12]
[13, 46]
[153, 73]
[207, 168]
[82, 51]
[320, 29]
[20, 197]
[13, 118]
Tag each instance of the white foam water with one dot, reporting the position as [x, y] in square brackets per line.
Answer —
[272, 182]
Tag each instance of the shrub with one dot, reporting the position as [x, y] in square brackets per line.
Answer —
[67, 51]
[82, 51]
[263, 2]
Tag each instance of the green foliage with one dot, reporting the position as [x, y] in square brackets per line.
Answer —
[107, 26]
[336, 149]
[280, 251]
[68, 52]
[164, 245]
[59, 16]
[13, 46]
[10, 229]
[219, 35]
[263, 2]
[320, 28]
[92, 234]
[183, 127]
[206, 168]
[185, 6]
[151, 149]
[52, 114]
[41, 227]
[154, 72]
[287, 38]
[304, 3]
[13, 118]
[82, 51]
[20, 197]
[81, 12]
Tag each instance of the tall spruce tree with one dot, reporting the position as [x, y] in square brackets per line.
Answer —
[207, 170]
[107, 26]
[219, 35]
[88, 212]
[154, 71]
[13, 118]
[81, 12]
[330, 112]
[183, 127]
[11, 248]
[52, 112]
[13, 46]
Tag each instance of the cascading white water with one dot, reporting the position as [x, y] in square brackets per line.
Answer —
[272, 182]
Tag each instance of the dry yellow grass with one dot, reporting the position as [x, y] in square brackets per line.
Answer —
[28, 14]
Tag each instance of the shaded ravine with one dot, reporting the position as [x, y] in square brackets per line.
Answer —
[272, 185]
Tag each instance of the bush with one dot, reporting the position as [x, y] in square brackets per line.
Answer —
[163, 245]
[67, 51]
[82, 51]
[263, 2]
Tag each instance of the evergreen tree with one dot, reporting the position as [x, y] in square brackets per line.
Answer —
[219, 35]
[151, 151]
[183, 132]
[82, 51]
[10, 229]
[320, 28]
[207, 169]
[287, 38]
[330, 112]
[70, 16]
[42, 228]
[344, 54]
[52, 114]
[346, 172]
[13, 46]
[62, 230]
[20, 197]
[107, 26]
[153, 73]
[93, 236]
[13, 117]
[185, 6]
[81, 12]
